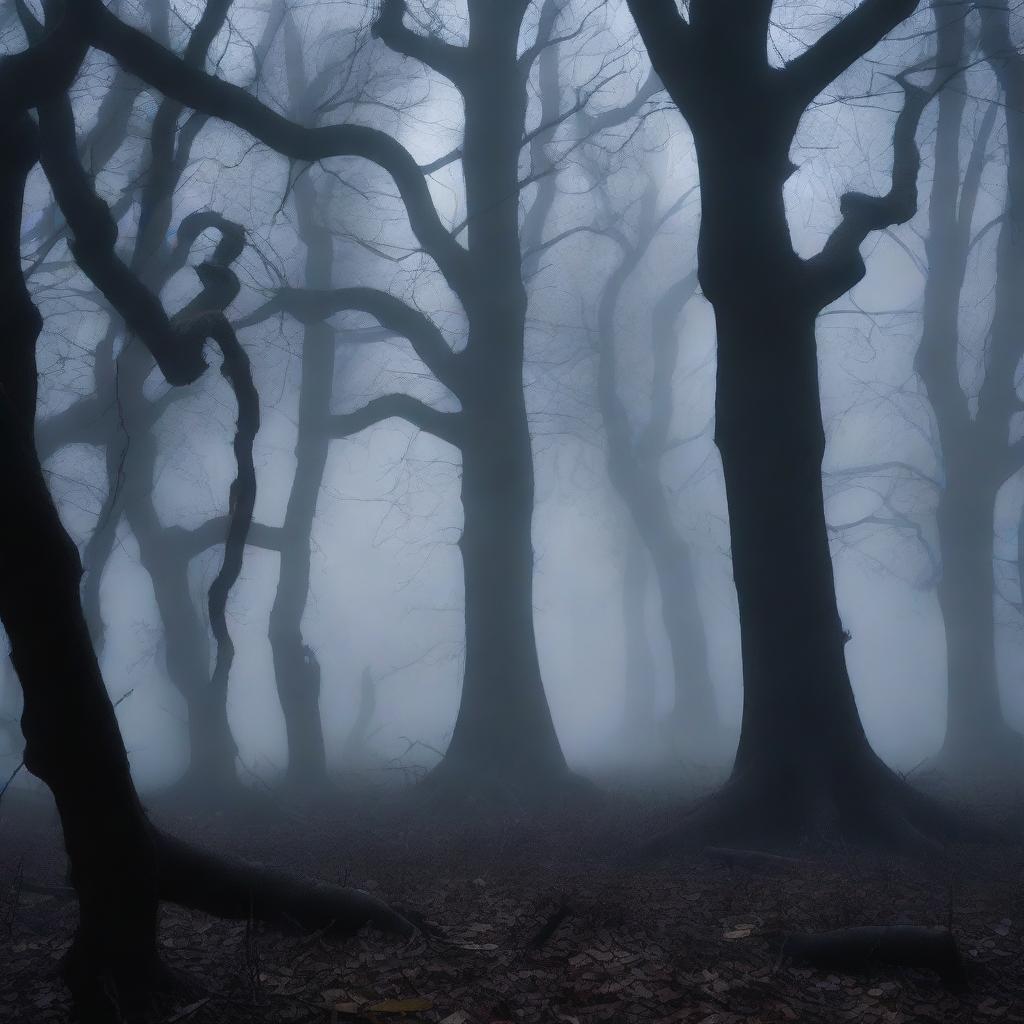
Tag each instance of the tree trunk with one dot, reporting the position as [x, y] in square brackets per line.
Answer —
[804, 766]
[800, 730]
[976, 731]
[634, 468]
[978, 739]
[694, 727]
[639, 716]
[295, 665]
[212, 751]
[72, 741]
[504, 736]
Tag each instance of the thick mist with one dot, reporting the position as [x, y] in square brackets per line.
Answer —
[540, 477]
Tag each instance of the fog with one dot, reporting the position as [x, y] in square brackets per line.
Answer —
[385, 591]
[513, 510]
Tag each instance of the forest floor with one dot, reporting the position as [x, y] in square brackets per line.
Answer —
[688, 939]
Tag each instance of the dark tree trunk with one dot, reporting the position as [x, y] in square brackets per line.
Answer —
[804, 765]
[71, 733]
[295, 664]
[504, 737]
[802, 748]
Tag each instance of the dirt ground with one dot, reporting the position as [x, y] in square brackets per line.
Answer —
[687, 939]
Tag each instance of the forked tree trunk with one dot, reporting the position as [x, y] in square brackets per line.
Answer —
[804, 765]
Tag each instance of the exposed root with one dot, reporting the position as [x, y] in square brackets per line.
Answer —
[868, 805]
[238, 889]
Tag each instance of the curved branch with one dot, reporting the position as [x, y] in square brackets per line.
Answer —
[47, 68]
[167, 157]
[839, 265]
[241, 496]
[444, 58]
[445, 425]
[142, 56]
[82, 422]
[94, 231]
[177, 344]
[842, 46]
[189, 543]
[309, 306]
[669, 41]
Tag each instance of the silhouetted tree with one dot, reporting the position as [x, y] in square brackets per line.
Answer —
[804, 763]
[503, 737]
[124, 418]
[120, 865]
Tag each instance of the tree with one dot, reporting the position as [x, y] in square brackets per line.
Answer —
[504, 738]
[127, 431]
[634, 460]
[977, 455]
[804, 763]
[121, 866]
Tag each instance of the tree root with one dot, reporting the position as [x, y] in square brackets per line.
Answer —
[867, 805]
[854, 949]
[234, 888]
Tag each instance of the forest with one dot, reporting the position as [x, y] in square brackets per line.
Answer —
[513, 511]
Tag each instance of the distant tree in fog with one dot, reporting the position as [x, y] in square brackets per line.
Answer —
[634, 457]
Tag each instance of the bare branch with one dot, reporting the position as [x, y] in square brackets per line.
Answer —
[842, 46]
[310, 306]
[444, 58]
[142, 56]
[839, 266]
[445, 425]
